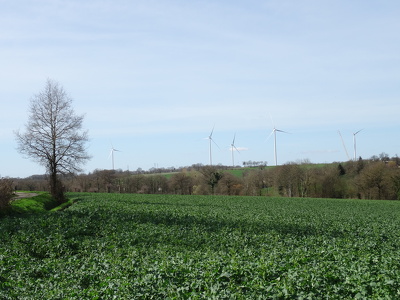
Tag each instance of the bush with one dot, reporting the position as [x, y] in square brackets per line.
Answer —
[6, 192]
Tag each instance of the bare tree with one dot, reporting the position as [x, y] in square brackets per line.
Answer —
[373, 180]
[230, 185]
[181, 183]
[254, 182]
[54, 136]
[287, 180]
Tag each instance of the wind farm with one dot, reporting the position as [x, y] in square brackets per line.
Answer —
[280, 147]
[156, 105]
[203, 150]
[275, 149]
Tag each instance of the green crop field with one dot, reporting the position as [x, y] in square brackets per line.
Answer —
[120, 246]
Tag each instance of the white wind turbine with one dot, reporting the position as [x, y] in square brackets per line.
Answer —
[354, 142]
[210, 139]
[112, 155]
[274, 133]
[233, 148]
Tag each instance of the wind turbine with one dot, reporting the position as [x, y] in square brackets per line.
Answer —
[274, 133]
[210, 139]
[233, 148]
[112, 155]
[354, 142]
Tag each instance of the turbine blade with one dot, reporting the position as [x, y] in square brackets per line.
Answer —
[344, 146]
[272, 121]
[211, 132]
[215, 143]
[358, 131]
[282, 131]
[272, 132]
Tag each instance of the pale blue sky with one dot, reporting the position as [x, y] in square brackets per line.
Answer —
[154, 77]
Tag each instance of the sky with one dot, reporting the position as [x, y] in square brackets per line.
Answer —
[154, 78]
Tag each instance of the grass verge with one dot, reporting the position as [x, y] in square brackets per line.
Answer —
[65, 205]
[41, 203]
[37, 204]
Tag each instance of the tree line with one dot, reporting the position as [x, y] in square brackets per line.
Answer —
[55, 138]
[374, 178]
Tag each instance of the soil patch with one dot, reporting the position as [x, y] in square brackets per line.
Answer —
[23, 195]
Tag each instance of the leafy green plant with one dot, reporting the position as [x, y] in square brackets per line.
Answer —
[109, 246]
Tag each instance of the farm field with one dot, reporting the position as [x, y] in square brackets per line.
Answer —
[131, 246]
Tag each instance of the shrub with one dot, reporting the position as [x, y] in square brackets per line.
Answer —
[6, 192]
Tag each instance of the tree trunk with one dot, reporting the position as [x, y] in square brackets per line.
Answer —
[56, 188]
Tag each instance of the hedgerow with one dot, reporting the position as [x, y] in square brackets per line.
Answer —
[6, 192]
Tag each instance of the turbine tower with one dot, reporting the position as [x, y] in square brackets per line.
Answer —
[233, 148]
[354, 142]
[112, 155]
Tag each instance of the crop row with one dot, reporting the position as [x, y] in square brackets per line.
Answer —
[110, 246]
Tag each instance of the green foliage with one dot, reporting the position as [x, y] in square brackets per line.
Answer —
[120, 246]
[238, 172]
[64, 205]
[37, 204]
[241, 172]
[362, 179]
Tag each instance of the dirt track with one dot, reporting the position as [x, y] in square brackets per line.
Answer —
[23, 195]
